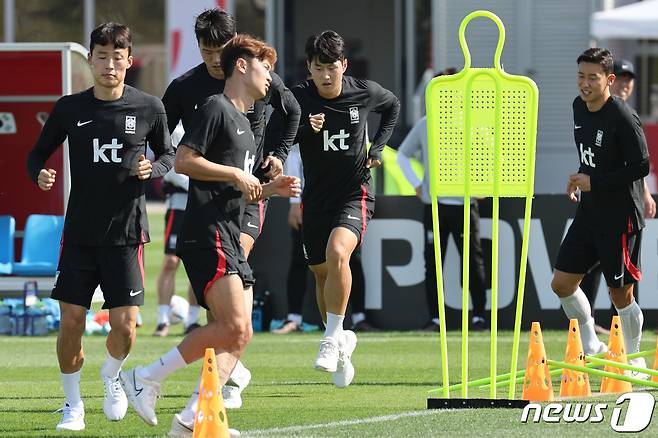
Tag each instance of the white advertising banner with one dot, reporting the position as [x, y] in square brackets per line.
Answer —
[182, 48]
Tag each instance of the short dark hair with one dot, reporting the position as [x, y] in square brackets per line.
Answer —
[327, 46]
[113, 33]
[245, 46]
[596, 55]
[446, 72]
[215, 27]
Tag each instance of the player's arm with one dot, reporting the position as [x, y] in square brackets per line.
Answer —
[283, 185]
[634, 152]
[280, 139]
[172, 106]
[387, 104]
[412, 146]
[160, 143]
[52, 135]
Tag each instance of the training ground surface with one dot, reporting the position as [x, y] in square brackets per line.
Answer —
[286, 396]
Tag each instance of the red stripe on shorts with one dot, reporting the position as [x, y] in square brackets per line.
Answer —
[170, 224]
[221, 263]
[630, 267]
[140, 260]
[261, 214]
[364, 212]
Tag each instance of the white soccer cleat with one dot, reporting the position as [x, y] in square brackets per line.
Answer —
[142, 394]
[345, 370]
[232, 390]
[183, 429]
[115, 403]
[327, 359]
[639, 362]
[599, 349]
[73, 418]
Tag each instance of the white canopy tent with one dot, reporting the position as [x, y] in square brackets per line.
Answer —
[634, 21]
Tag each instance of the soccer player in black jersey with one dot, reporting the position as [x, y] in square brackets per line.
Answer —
[337, 200]
[213, 29]
[218, 153]
[607, 228]
[108, 127]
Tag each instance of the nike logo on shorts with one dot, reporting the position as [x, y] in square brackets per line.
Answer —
[240, 132]
[134, 294]
[84, 123]
[349, 216]
[617, 277]
[250, 225]
[577, 127]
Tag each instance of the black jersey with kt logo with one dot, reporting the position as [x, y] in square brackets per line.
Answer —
[613, 151]
[335, 158]
[221, 134]
[106, 204]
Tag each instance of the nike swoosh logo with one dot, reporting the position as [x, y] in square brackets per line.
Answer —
[134, 294]
[577, 127]
[349, 216]
[84, 123]
[195, 106]
[617, 277]
[137, 391]
[249, 224]
[240, 132]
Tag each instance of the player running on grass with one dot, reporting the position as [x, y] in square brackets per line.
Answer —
[213, 29]
[218, 153]
[338, 200]
[607, 228]
[107, 127]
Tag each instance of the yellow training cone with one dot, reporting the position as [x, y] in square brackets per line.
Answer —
[574, 383]
[616, 352]
[211, 420]
[537, 384]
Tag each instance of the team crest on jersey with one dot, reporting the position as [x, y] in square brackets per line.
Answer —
[599, 138]
[354, 114]
[131, 124]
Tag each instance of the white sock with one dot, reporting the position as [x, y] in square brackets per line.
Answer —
[112, 366]
[334, 326]
[71, 385]
[294, 317]
[163, 313]
[632, 320]
[192, 315]
[161, 368]
[189, 412]
[358, 317]
[240, 375]
[577, 307]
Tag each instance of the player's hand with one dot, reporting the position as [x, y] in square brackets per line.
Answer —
[46, 179]
[143, 168]
[249, 185]
[581, 181]
[295, 216]
[276, 168]
[286, 186]
[316, 121]
[372, 163]
[571, 191]
[649, 205]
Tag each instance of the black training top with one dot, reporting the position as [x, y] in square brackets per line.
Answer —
[191, 89]
[613, 152]
[105, 139]
[221, 134]
[335, 158]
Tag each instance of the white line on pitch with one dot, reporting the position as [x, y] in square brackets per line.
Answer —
[380, 419]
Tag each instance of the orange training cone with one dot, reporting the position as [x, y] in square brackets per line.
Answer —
[574, 383]
[616, 352]
[537, 384]
[210, 420]
[655, 364]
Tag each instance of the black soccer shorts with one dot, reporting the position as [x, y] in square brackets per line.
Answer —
[585, 246]
[204, 266]
[253, 219]
[355, 214]
[173, 224]
[118, 270]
